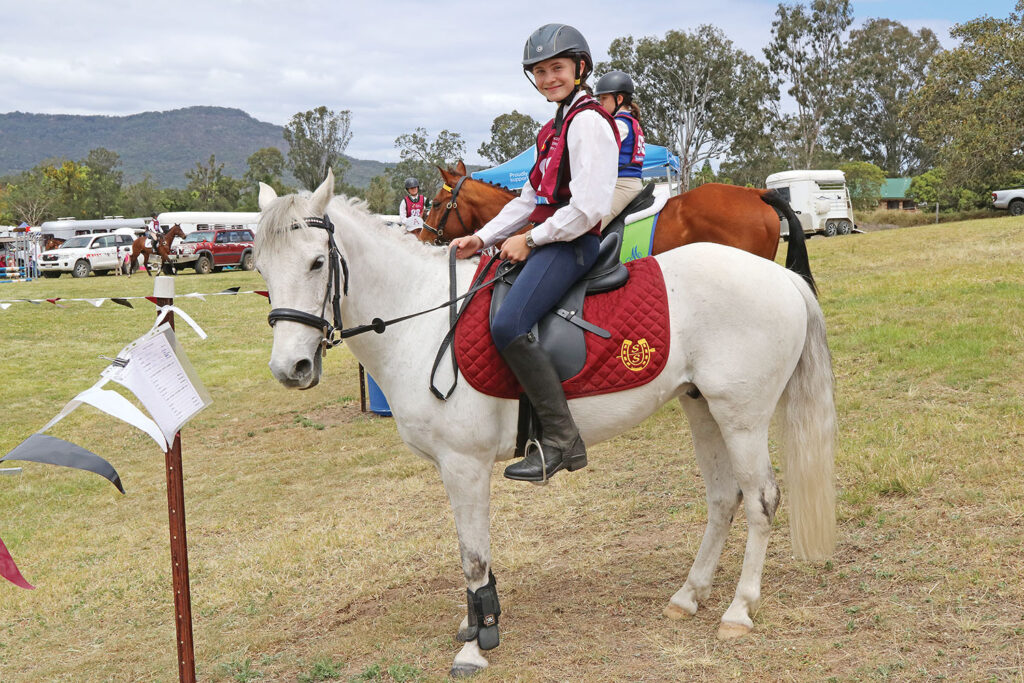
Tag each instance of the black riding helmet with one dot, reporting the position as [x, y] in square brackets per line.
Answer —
[616, 83]
[558, 40]
[411, 183]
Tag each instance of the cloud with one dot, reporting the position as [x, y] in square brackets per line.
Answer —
[396, 65]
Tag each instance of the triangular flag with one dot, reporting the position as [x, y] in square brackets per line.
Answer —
[96, 302]
[196, 295]
[230, 290]
[5, 306]
[262, 293]
[122, 302]
[9, 570]
[53, 451]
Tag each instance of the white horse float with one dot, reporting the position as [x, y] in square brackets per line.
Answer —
[747, 337]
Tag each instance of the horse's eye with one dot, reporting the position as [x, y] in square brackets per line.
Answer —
[318, 263]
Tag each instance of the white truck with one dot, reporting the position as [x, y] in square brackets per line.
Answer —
[83, 254]
[1012, 200]
[820, 200]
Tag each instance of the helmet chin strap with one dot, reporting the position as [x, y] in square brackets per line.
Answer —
[563, 105]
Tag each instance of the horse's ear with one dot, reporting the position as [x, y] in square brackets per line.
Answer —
[460, 168]
[322, 195]
[267, 195]
[446, 174]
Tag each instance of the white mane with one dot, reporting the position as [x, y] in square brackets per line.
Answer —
[350, 215]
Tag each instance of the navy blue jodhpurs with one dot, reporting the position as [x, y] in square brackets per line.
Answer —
[549, 272]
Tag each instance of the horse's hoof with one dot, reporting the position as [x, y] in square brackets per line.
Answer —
[463, 635]
[729, 630]
[464, 670]
[675, 612]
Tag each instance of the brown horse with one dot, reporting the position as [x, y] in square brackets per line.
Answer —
[52, 243]
[141, 246]
[740, 217]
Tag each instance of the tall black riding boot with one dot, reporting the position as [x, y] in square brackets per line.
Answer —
[561, 445]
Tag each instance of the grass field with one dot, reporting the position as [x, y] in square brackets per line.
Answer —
[320, 549]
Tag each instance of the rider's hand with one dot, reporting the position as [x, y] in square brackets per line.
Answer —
[466, 246]
[514, 249]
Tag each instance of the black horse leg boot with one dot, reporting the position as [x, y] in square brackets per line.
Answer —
[561, 445]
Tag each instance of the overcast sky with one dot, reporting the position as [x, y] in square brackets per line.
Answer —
[396, 64]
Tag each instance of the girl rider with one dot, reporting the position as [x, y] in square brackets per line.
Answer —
[568, 191]
[615, 92]
[413, 206]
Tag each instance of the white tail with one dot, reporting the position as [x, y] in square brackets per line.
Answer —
[808, 440]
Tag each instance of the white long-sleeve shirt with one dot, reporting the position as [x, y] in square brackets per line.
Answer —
[594, 165]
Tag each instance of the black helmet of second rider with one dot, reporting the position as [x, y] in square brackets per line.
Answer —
[618, 85]
[559, 40]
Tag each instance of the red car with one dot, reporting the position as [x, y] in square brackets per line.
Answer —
[209, 250]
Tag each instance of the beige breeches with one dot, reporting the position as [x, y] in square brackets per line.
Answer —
[625, 190]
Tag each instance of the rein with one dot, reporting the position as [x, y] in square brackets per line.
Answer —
[452, 204]
[335, 332]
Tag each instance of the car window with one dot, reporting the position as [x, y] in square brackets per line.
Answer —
[124, 239]
[222, 237]
[107, 241]
[246, 236]
[199, 236]
[76, 242]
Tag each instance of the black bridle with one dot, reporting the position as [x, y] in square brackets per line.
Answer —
[337, 268]
[452, 205]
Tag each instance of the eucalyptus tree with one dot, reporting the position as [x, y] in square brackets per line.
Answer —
[510, 134]
[806, 53]
[698, 94]
[885, 63]
[317, 140]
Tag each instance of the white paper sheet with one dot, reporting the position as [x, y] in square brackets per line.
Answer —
[162, 382]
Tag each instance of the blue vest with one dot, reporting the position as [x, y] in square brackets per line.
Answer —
[631, 151]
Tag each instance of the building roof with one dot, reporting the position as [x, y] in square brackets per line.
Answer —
[895, 188]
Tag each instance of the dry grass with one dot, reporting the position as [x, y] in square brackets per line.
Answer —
[321, 549]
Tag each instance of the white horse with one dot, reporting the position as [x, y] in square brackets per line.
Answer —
[747, 336]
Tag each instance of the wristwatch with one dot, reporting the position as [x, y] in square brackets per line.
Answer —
[529, 240]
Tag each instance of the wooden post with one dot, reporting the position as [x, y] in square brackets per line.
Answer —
[362, 389]
[163, 290]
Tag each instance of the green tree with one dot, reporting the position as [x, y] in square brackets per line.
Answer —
[210, 188]
[264, 166]
[381, 196]
[697, 93]
[68, 181]
[510, 135]
[972, 103]
[421, 157]
[864, 181]
[807, 53]
[143, 198]
[886, 63]
[28, 197]
[103, 189]
[316, 142]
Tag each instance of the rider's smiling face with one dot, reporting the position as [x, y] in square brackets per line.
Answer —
[555, 78]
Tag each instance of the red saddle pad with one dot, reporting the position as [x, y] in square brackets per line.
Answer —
[636, 315]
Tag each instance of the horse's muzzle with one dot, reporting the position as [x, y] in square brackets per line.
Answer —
[297, 373]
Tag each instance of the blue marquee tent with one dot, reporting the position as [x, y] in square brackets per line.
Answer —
[512, 174]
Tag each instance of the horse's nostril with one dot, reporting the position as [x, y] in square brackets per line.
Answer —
[302, 368]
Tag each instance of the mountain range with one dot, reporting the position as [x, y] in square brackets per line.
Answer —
[163, 144]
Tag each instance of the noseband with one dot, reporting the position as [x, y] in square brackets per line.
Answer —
[337, 268]
[452, 205]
